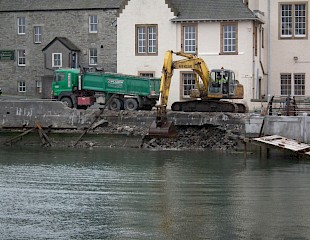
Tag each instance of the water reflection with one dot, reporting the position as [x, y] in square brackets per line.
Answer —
[137, 194]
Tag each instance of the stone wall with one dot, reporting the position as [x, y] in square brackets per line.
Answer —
[72, 24]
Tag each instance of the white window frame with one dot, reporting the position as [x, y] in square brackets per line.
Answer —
[21, 87]
[189, 39]
[229, 38]
[293, 20]
[21, 57]
[147, 39]
[57, 62]
[93, 56]
[299, 84]
[188, 81]
[39, 86]
[21, 25]
[37, 34]
[285, 84]
[93, 23]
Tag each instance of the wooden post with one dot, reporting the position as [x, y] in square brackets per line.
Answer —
[44, 138]
[97, 116]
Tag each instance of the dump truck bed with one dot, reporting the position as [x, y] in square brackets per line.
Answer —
[121, 83]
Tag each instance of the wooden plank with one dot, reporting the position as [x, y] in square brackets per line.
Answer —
[44, 138]
[96, 118]
[19, 136]
[282, 142]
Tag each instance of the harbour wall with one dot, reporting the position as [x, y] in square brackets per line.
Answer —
[55, 115]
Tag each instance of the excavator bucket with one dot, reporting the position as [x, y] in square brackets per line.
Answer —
[164, 130]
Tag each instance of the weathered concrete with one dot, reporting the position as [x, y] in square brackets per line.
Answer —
[54, 114]
[25, 113]
[293, 127]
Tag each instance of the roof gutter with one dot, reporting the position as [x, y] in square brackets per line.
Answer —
[55, 10]
[217, 20]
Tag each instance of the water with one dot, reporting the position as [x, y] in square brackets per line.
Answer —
[137, 194]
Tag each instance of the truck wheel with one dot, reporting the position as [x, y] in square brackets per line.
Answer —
[115, 105]
[131, 104]
[67, 101]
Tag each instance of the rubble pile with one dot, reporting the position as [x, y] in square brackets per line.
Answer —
[206, 137]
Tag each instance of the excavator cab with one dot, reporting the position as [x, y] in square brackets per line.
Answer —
[222, 83]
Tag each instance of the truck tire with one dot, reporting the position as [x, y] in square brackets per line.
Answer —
[115, 105]
[67, 101]
[131, 104]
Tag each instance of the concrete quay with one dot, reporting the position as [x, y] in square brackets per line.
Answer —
[55, 115]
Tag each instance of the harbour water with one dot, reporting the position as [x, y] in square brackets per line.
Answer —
[138, 194]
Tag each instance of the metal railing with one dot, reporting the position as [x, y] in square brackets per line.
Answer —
[289, 105]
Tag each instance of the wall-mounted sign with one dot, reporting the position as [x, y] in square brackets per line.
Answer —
[7, 55]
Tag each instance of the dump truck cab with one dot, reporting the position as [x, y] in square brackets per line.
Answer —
[65, 80]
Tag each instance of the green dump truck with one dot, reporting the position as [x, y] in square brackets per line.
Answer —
[83, 90]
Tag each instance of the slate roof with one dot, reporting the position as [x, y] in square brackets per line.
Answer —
[211, 10]
[53, 5]
[206, 10]
[65, 41]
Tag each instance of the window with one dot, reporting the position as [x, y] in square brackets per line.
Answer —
[93, 56]
[38, 86]
[93, 24]
[37, 34]
[189, 38]
[299, 84]
[60, 76]
[21, 23]
[57, 60]
[286, 83]
[229, 39]
[146, 40]
[188, 83]
[293, 20]
[21, 86]
[146, 74]
[263, 38]
[255, 39]
[21, 57]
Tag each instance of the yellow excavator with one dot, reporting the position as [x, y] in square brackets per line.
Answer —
[212, 86]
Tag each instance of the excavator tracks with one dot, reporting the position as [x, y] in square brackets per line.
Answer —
[209, 106]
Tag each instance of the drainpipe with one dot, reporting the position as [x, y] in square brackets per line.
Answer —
[253, 63]
[268, 54]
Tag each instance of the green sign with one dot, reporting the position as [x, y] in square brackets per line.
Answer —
[7, 55]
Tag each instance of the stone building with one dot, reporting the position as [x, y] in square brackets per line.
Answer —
[85, 30]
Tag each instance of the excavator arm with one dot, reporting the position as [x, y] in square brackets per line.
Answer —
[197, 65]
[162, 127]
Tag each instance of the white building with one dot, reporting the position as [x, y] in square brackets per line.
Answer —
[224, 33]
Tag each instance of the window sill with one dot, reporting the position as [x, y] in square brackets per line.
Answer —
[228, 53]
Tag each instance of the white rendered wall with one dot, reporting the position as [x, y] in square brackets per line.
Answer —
[169, 38]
